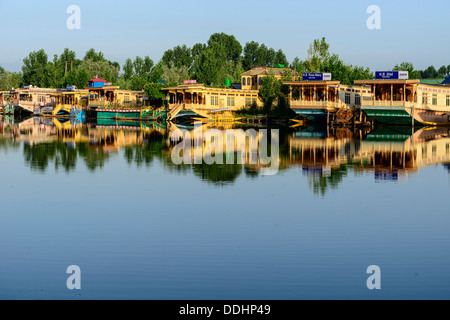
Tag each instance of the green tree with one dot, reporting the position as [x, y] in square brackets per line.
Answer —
[197, 49]
[429, 73]
[280, 58]
[408, 66]
[250, 55]
[208, 68]
[175, 75]
[177, 57]
[78, 77]
[35, 69]
[256, 55]
[442, 72]
[94, 56]
[9, 80]
[299, 66]
[269, 91]
[226, 44]
[318, 54]
[100, 69]
[128, 71]
[154, 91]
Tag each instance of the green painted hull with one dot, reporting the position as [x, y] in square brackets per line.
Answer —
[391, 134]
[112, 122]
[117, 113]
[390, 115]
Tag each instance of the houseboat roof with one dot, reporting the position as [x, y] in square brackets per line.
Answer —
[431, 81]
[203, 88]
[265, 71]
[313, 82]
[105, 88]
[97, 80]
[412, 81]
[446, 81]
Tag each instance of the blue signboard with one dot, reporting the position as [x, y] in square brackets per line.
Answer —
[391, 75]
[317, 76]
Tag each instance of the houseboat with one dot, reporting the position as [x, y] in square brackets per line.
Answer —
[192, 99]
[317, 98]
[398, 100]
[32, 99]
[110, 102]
[71, 102]
[5, 102]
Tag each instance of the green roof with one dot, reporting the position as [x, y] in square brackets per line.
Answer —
[431, 81]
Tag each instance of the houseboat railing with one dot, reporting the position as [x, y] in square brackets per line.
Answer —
[318, 104]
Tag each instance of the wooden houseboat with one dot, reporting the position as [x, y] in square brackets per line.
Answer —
[199, 100]
[32, 99]
[402, 101]
[219, 104]
[5, 102]
[318, 100]
[71, 102]
[110, 102]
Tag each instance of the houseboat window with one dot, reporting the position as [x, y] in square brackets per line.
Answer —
[254, 101]
[358, 99]
[253, 81]
[448, 101]
[230, 101]
[243, 82]
[434, 99]
[248, 81]
[215, 101]
[347, 98]
[447, 148]
[248, 101]
[260, 81]
[424, 98]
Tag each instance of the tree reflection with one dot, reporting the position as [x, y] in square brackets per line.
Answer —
[39, 156]
[320, 183]
[94, 157]
[217, 174]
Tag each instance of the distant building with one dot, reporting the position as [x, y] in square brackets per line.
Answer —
[252, 79]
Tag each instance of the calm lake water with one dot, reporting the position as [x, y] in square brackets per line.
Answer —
[110, 199]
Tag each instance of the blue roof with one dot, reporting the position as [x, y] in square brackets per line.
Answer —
[446, 81]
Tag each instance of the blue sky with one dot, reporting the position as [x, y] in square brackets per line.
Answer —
[411, 30]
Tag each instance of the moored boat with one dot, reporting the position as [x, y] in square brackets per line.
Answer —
[71, 102]
[403, 101]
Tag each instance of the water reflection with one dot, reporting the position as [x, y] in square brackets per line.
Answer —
[326, 157]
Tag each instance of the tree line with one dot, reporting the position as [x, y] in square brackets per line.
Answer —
[221, 57]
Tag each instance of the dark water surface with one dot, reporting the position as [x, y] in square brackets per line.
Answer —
[112, 201]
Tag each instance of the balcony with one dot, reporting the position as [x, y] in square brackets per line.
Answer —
[313, 104]
[386, 103]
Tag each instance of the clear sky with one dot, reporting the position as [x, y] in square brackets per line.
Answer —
[411, 30]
